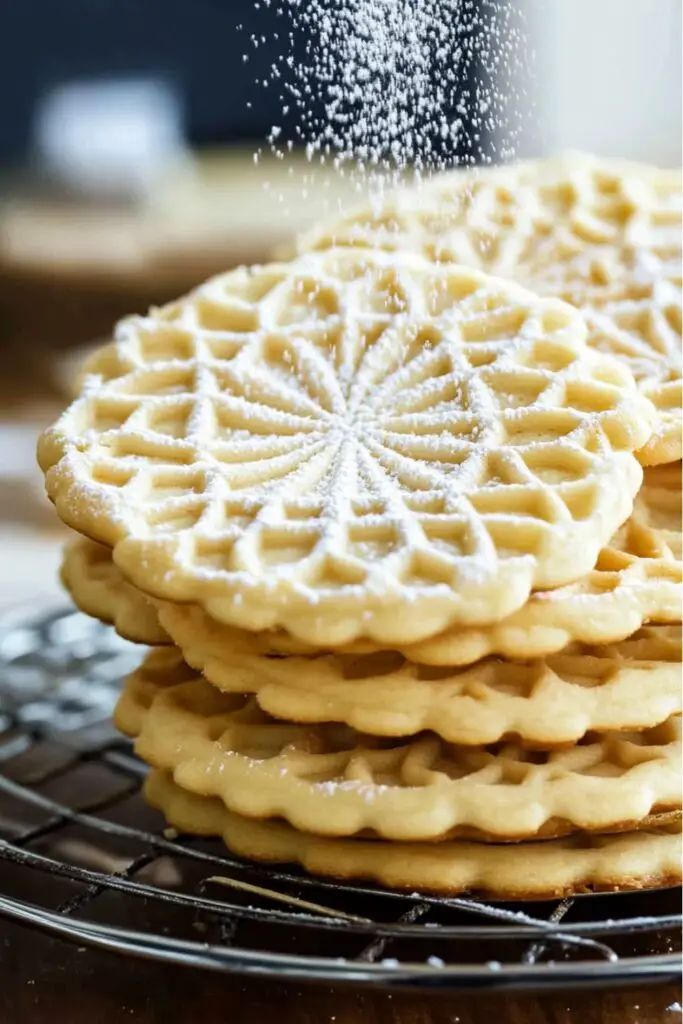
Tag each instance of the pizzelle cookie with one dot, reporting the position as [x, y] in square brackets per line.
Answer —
[99, 589]
[540, 870]
[637, 580]
[635, 684]
[332, 780]
[351, 445]
[644, 331]
[654, 528]
[580, 227]
[602, 234]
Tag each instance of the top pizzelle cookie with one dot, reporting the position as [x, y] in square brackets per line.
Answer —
[604, 235]
[355, 444]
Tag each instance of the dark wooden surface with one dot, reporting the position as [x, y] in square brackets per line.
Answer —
[44, 981]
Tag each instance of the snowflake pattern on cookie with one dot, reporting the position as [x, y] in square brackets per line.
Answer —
[353, 444]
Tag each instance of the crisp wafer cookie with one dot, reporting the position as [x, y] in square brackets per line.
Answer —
[654, 528]
[644, 331]
[537, 870]
[99, 589]
[354, 444]
[546, 702]
[637, 580]
[331, 780]
[602, 234]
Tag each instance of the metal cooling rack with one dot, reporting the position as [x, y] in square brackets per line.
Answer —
[83, 858]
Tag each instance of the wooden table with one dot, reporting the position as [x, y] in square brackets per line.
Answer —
[45, 980]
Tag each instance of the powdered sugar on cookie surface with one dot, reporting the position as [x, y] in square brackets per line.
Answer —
[432, 431]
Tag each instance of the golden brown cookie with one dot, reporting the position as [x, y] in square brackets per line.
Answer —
[351, 445]
[541, 870]
[331, 780]
[604, 235]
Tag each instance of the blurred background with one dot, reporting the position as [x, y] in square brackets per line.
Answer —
[127, 171]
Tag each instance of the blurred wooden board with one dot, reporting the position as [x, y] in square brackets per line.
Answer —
[69, 271]
[222, 209]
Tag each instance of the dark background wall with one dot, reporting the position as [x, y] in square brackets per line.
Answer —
[194, 43]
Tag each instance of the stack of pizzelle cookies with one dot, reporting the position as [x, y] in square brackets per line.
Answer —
[405, 538]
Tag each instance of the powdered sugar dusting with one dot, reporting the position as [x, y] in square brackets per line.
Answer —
[374, 465]
[421, 84]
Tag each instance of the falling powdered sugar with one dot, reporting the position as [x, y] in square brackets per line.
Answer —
[384, 86]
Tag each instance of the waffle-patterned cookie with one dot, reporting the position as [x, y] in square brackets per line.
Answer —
[99, 589]
[654, 528]
[544, 702]
[541, 870]
[354, 444]
[603, 235]
[331, 780]
[643, 330]
[637, 580]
